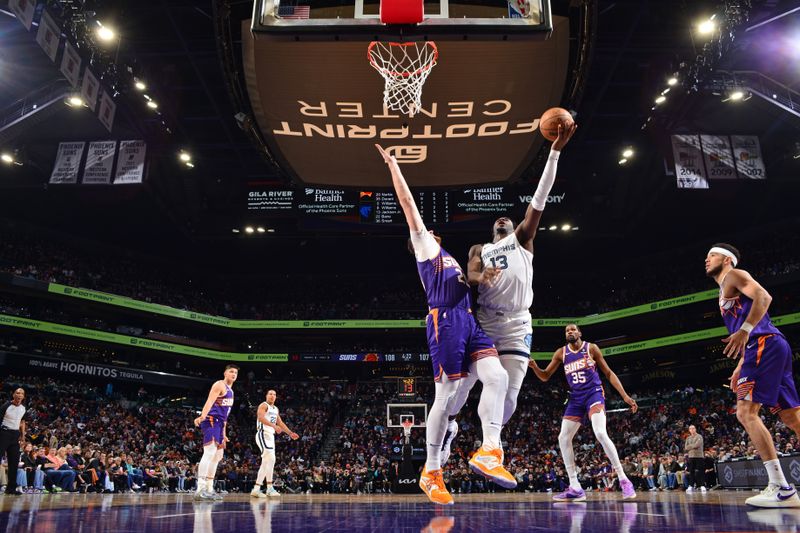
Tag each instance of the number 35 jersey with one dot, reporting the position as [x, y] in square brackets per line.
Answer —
[581, 370]
[513, 289]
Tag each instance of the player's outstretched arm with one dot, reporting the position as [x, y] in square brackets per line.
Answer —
[292, 434]
[745, 284]
[548, 372]
[217, 390]
[612, 378]
[526, 230]
[403, 193]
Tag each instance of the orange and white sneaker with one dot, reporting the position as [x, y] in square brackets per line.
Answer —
[489, 464]
[432, 484]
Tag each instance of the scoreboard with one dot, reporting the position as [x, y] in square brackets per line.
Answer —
[380, 207]
[407, 388]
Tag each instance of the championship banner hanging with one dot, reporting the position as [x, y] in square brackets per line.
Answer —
[99, 162]
[130, 164]
[718, 156]
[71, 64]
[24, 10]
[107, 110]
[48, 36]
[689, 167]
[747, 154]
[89, 89]
[68, 163]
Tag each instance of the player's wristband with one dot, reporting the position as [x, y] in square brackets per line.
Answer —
[748, 327]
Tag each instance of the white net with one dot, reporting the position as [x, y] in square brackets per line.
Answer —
[404, 67]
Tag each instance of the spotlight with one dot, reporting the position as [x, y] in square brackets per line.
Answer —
[566, 227]
[627, 153]
[7, 158]
[553, 227]
[736, 95]
[74, 101]
[665, 91]
[105, 33]
[271, 230]
[140, 85]
[235, 230]
[661, 99]
[672, 81]
[184, 156]
[189, 164]
[261, 230]
[152, 105]
[542, 229]
[707, 26]
[622, 161]
[249, 229]
[575, 228]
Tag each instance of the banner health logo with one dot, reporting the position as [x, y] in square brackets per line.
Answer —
[794, 470]
[67, 290]
[727, 473]
[134, 341]
[306, 324]
[251, 357]
[653, 306]
[192, 315]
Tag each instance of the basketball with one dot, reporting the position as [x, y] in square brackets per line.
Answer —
[550, 120]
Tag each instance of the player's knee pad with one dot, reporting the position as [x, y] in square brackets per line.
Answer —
[209, 450]
[218, 453]
[491, 372]
[599, 425]
[268, 456]
[446, 390]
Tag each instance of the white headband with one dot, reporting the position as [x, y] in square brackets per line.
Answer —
[726, 253]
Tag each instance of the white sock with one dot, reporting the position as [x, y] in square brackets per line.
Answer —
[490, 409]
[516, 369]
[775, 473]
[568, 430]
[209, 451]
[436, 425]
[599, 427]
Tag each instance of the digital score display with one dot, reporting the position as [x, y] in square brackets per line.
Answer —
[407, 387]
[381, 207]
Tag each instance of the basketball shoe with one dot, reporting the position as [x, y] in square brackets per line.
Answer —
[775, 496]
[432, 484]
[489, 463]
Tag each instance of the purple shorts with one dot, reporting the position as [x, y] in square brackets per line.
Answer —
[581, 402]
[766, 376]
[212, 430]
[455, 340]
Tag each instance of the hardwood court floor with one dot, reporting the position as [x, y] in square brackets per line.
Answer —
[717, 511]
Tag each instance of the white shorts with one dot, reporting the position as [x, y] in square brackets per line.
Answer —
[265, 441]
[510, 332]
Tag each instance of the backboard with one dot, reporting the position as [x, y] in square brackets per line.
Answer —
[397, 412]
[319, 104]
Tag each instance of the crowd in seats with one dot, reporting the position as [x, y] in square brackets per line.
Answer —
[297, 296]
[85, 438]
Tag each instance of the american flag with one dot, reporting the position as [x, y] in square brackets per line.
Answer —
[294, 12]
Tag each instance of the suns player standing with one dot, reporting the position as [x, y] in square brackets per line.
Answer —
[503, 273]
[581, 361]
[458, 346]
[213, 421]
[268, 422]
[764, 373]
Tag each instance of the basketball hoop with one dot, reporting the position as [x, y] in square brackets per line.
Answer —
[407, 424]
[404, 67]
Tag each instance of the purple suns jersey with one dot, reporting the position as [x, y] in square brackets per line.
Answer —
[444, 281]
[580, 369]
[222, 406]
[734, 313]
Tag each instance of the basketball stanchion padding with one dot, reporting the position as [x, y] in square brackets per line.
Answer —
[402, 11]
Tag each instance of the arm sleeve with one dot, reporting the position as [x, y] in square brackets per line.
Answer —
[425, 246]
[546, 182]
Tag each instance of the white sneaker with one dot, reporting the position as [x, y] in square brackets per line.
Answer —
[135, 486]
[449, 436]
[689, 490]
[271, 492]
[257, 494]
[775, 496]
[703, 489]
